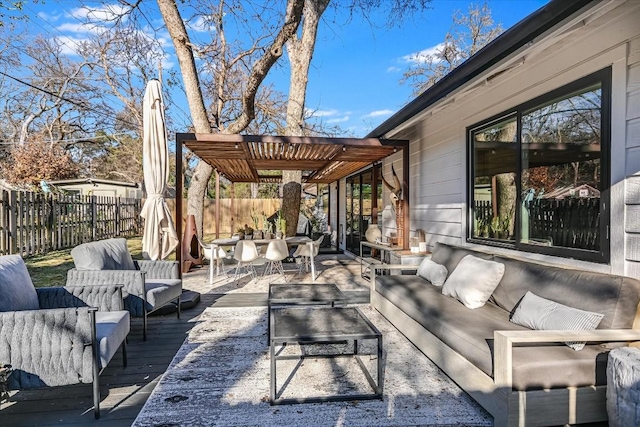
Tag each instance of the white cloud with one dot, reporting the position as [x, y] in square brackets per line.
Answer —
[378, 113]
[393, 69]
[70, 45]
[77, 28]
[323, 113]
[339, 119]
[201, 24]
[105, 13]
[49, 18]
[424, 55]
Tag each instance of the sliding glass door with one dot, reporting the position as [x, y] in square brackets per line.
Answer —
[363, 192]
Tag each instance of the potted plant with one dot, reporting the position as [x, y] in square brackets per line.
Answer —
[281, 226]
[255, 218]
[240, 232]
[482, 227]
[506, 225]
[495, 227]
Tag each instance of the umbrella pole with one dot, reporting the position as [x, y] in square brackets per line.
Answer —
[218, 205]
[179, 183]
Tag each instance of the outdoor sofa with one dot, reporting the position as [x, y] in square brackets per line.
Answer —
[519, 375]
[148, 285]
[58, 336]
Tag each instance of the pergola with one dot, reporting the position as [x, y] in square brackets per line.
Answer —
[258, 158]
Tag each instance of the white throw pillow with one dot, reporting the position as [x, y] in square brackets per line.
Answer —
[432, 271]
[538, 313]
[473, 281]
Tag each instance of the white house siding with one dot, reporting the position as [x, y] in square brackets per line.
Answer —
[438, 170]
[632, 169]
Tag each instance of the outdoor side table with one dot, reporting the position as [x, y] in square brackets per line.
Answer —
[290, 294]
[623, 387]
[321, 325]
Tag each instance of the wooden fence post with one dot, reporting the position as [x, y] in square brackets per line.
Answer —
[4, 222]
[94, 217]
[13, 222]
[117, 216]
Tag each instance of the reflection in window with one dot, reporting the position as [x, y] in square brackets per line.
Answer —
[561, 172]
[539, 175]
[495, 165]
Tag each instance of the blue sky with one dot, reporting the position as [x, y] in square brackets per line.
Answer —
[356, 69]
[354, 79]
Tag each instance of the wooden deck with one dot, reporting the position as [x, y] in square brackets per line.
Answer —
[124, 390]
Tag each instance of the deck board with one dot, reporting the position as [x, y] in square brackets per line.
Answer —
[125, 390]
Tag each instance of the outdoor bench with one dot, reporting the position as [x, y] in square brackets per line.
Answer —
[519, 375]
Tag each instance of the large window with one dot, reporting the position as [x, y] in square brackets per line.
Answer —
[539, 174]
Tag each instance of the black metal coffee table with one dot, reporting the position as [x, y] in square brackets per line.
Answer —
[290, 294]
[321, 325]
[304, 294]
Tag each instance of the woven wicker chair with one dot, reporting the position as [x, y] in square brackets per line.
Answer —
[58, 336]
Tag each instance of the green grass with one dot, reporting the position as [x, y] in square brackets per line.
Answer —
[51, 269]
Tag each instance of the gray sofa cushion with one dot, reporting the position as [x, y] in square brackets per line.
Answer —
[109, 254]
[112, 327]
[470, 333]
[616, 297]
[464, 330]
[16, 289]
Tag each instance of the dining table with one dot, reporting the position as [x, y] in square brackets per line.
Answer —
[291, 241]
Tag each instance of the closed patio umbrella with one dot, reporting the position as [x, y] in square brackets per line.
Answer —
[160, 237]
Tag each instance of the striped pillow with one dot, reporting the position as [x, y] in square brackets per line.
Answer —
[538, 313]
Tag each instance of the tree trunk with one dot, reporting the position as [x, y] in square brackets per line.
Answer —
[506, 198]
[291, 196]
[300, 52]
[201, 124]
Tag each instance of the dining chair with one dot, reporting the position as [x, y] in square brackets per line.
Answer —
[304, 252]
[277, 250]
[247, 256]
[214, 254]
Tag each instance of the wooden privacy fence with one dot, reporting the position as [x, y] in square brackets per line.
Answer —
[231, 218]
[33, 223]
[572, 223]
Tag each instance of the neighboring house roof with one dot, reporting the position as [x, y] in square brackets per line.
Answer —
[500, 48]
[584, 190]
[64, 182]
[6, 185]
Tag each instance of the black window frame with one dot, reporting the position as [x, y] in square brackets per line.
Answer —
[603, 255]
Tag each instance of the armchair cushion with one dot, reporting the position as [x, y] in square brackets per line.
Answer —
[161, 291]
[16, 289]
[109, 254]
[112, 327]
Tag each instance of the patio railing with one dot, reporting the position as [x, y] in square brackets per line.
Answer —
[33, 223]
